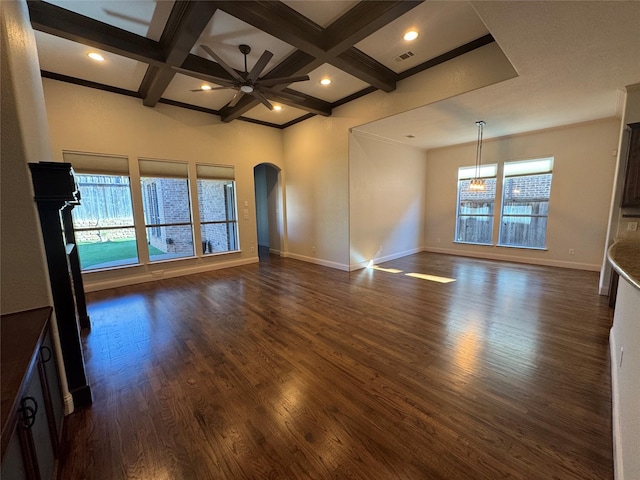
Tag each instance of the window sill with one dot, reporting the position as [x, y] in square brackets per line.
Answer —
[520, 247]
[158, 262]
[474, 243]
[110, 269]
[217, 254]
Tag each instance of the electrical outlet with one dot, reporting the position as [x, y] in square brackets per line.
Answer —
[572, 251]
[632, 226]
[313, 249]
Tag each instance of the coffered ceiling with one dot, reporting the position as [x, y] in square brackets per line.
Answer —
[153, 49]
[573, 59]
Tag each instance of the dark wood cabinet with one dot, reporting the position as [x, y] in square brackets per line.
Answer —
[631, 195]
[32, 403]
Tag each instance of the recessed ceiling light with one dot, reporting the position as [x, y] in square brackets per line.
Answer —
[325, 81]
[277, 108]
[205, 87]
[95, 56]
[410, 35]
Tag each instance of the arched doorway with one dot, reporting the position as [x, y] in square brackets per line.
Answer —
[268, 210]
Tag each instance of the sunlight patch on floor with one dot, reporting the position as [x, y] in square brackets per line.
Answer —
[388, 270]
[432, 278]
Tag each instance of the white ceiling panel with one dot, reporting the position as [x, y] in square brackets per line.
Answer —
[342, 84]
[572, 60]
[180, 90]
[323, 13]
[285, 115]
[442, 26]
[225, 33]
[146, 18]
[69, 58]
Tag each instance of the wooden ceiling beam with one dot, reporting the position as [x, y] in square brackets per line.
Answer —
[186, 23]
[316, 45]
[362, 20]
[57, 21]
[284, 23]
[280, 21]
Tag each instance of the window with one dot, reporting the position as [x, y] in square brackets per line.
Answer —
[525, 203]
[167, 210]
[474, 218]
[103, 222]
[217, 203]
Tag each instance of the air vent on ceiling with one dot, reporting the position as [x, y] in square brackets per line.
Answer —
[404, 56]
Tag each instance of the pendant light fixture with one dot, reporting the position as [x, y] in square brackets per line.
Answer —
[477, 182]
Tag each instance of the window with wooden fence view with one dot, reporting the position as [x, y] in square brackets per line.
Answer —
[476, 207]
[103, 222]
[526, 189]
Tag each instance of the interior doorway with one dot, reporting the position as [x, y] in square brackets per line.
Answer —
[268, 201]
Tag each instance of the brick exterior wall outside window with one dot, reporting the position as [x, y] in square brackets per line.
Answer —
[217, 204]
[170, 203]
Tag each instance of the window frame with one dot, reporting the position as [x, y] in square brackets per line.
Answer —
[532, 168]
[99, 165]
[221, 173]
[465, 174]
[152, 170]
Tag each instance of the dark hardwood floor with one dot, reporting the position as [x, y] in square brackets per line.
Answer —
[287, 370]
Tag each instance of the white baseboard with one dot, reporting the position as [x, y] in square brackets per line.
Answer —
[95, 285]
[318, 261]
[618, 465]
[517, 259]
[385, 258]
[275, 251]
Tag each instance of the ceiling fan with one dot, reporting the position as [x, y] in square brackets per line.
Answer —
[250, 82]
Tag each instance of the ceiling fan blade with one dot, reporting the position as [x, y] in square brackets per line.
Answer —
[236, 98]
[270, 82]
[259, 66]
[222, 63]
[262, 98]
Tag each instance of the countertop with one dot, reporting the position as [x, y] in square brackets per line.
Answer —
[624, 256]
[22, 334]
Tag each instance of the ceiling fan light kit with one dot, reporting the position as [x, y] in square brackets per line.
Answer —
[250, 82]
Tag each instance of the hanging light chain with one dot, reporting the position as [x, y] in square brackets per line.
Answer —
[478, 183]
[480, 125]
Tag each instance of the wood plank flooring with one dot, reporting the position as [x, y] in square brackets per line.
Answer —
[287, 370]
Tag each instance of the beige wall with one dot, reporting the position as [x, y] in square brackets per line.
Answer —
[386, 199]
[316, 151]
[89, 120]
[25, 281]
[582, 182]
